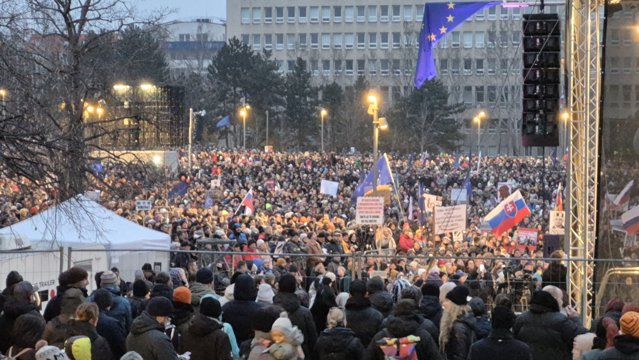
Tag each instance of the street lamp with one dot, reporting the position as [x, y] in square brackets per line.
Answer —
[378, 123]
[147, 87]
[323, 113]
[565, 115]
[200, 113]
[244, 113]
[478, 118]
[3, 94]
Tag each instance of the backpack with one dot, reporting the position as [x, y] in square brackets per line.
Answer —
[399, 349]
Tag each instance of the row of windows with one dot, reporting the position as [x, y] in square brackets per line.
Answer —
[624, 36]
[625, 65]
[349, 67]
[622, 94]
[479, 66]
[360, 14]
[382, 40]
[197, 37]
[481, 94]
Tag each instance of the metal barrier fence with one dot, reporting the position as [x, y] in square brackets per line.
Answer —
[613, 278]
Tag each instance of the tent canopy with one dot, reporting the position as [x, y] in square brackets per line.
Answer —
[81, 222]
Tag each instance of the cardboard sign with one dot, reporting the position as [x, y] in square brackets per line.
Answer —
[329, 188]
[504, 189]
[369, 211]
[430, 201]
[527, 236]
[450, 219]
[143, 205]
[557, 225]
[458, 195]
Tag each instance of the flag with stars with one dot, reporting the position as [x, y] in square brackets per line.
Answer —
[439, 20]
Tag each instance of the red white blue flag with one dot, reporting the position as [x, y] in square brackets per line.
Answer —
[630, 220]
[247, 202]
[508, 213]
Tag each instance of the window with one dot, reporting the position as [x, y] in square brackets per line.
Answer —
[503, 38]
[503, 13]
[455, 40]
[492, 63]
[396, 40]
[455, 67]
[516, 13]
[245, 39]
[479, 94]
[337, 14]
[361, 40]
[314, 14]
[361, 16]
[257, 42]
[516, 38]
[290, 65]
[290, 41]
[361, 67]
[337, 40]
[492, 39]
[279, 15]
[614, 65]
[302, 41]
[246, 15]
[384, 67]
[480, 15]
[468, 66]
[443, 66]
[326, 41]
[349, 40]
[468, 39]
[627, 94]
[372, 13]
[279, 64]
[337, 66]
[615, 36]
[637, 94]
[408, 40]
[268, 15]
[479, 39]
[627, 37]
[614, 95]
[349, 67]
[395, 93]
[397, 69]
[268, 41]
[503, 96]
[290, 14]
[372, 67]
[627, 64]
[314, 41]
[396, 15]
[349, 13]
[314, 67]
[383, 13]
[326, 14]
[492, 94]
[479, 66]
[384, 40]
[186, 37]
[492, 13]
[326, 67]
[503, 65]
[279, 41]
[372, 40]
[468, 95]
[301, 12]
[408, 12]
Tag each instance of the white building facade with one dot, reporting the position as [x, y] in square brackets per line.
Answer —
[191, 45]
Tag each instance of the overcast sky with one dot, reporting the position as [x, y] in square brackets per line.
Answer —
[185, 9]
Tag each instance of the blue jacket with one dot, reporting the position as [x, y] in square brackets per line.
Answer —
[121, 308]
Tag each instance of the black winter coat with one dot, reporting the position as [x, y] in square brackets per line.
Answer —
[461, 337]
[500, 345]
[431, 309]
[138, 305]
[206, 340]
[324, 301]
[162, 290]
[148, 339]
[239, 312]
[383, 302]
[13, 308]
[400, 327]
[424, 324]
[626, 348]
[548, 333]
[182, 315]
[338, 344]
[100, 349]
[363, 319]
[113, 332]
[54, 305]
[555, 274]
[482, 328]
[300, 317]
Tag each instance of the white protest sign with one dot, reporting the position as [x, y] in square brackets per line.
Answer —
[557, 224]
[370, 211]
[458, 195]
[143, 205]
[450, 219]
[430, 201]
[329, 188]
[504, 189]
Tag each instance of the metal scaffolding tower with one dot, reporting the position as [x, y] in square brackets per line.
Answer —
[584, 71]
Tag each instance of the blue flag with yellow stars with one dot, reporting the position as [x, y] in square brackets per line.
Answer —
[439, 20]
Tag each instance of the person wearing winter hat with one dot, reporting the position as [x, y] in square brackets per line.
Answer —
[49, 352]
[202, 286]
[261, 324]
[589, 346]
[55, 332]
[265, 294]
[27, 330]
[182, 309]
[337, 341]
[84, 323]
[500, 344]
[21, 302]
[287, 340]
[238, 312]
[300, 316]
[131, 355]
[548, 333]
[430, 307]
[478, 307]
[78, 348]
[13, 278]
[205, 336]
[147, 336]
[457, 325]
[324, 301]
[627, 343]
[139, 298]
[75, 277]
[362, 318]
[107, 327]
[120, 309]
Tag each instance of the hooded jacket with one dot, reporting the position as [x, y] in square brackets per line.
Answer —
[626, 348]
[500, 345]
[198, 290]
[462, 336]
[100, 349]
[205, 339]
[148, 339]
[380, 299]
[337, 344]
[363, 319]
[431, 309]
[182, 315]
[138, 305]
[13, 308]
[240, 310]
[162, 290]
[120, 309]
[54, 305]
[300, 317]
[399, 327]
[113, 332]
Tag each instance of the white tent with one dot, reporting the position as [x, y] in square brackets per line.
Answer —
[82, 222]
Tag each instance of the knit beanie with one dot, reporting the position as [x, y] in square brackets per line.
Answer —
[78, 348]
[430, 289]
[140, 289]
[108, 278]
[629, 324]
[159, 306]
[478, 306]
[263, 319]
[358, 287]
[204, 276]
[283, 324]
[72, 276]
[71, 299]
[544, 299]
[13, 278]
[502, 318]
[444, 289]
[210, 307]
[50, 353]
[287, 283]
[182, 294]
[458, 295]
[131, 355]
[405, 307]
[265, 293]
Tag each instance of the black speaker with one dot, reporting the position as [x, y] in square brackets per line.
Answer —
[541, 62]
[552, 243]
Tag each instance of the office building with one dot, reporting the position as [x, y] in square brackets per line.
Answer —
[191, 45]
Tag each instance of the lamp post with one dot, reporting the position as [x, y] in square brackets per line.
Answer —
[244, 113]
[3, 94]
[565, 116]
[378, 123]
[323, 113]
[266, 127]
[200, 113]
[478, 118]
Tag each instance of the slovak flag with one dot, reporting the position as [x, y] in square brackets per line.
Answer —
[624, 195]
[247, 202]
[508, 213]
[630, 220]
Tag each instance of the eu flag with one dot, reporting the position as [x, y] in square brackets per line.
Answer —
[225, 122]
[439, 20]
[384, 177]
